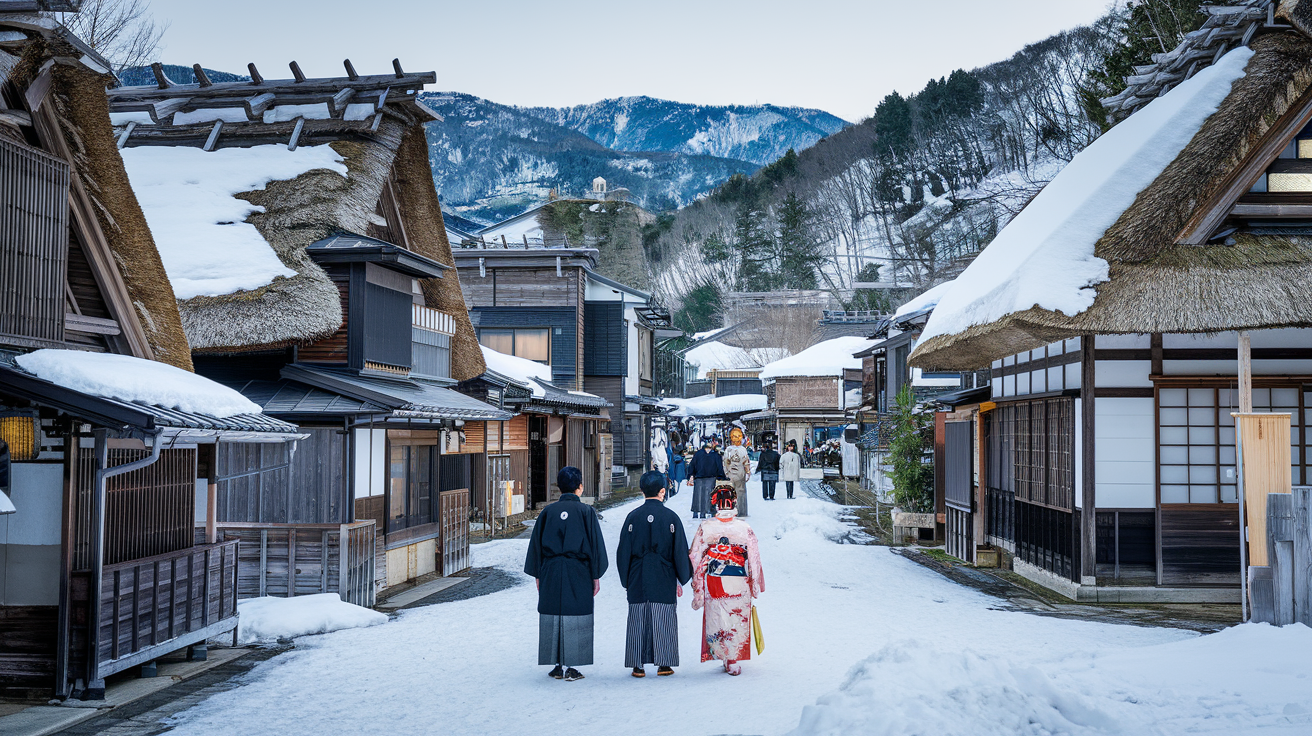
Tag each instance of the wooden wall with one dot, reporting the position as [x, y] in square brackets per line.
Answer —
[807, 393]
[27, 650]
[268, 483]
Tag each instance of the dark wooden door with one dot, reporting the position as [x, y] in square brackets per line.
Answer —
[537, 459]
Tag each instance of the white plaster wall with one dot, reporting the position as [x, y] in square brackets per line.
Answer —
[1124, 453]
[1122, 373]
[29, 537]
[370, 462]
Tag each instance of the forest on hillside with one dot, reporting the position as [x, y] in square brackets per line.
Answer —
[910, 195]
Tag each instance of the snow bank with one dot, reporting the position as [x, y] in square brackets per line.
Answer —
[715, 355]
[926, 300]
[200, 228]
[126, 378]
[829, 358]
[812, 521]
[270, 619]
[1044, 257]
[519, 369]
[709, 406]
[1240, 680]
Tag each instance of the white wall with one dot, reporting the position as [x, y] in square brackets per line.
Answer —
[1288, 338]
[1124, 453]
[29, 538]
[370, 462]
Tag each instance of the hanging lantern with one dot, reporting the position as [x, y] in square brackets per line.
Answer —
[21, 431]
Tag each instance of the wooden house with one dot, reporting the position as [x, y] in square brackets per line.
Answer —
[1109, 460]
[810, 393]
[597, 335]
[108, 436]
[334, 304]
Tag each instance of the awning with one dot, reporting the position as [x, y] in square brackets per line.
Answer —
[964, 396]
[301, 401]
[404, 398]
[557, 396]
[139, 418]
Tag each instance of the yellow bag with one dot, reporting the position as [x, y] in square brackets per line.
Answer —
[756, 632]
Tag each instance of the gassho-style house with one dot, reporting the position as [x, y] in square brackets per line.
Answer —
[1110, 311]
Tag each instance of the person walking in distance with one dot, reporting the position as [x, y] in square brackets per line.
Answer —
[790, 468]
[768, 465]
[567, 555]
[726, 577]
[738, 466]
[705, 468]
[653, 563]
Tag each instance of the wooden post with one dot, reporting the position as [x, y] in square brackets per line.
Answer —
[63, 636]
[211, 493]
[1088, 475]
[1245, 374]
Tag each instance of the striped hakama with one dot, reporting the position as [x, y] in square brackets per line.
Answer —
[564, 640]
[653, 636]
[701, 496]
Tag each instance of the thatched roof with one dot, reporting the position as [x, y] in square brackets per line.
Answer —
[376, 124]
[1255, 278]
[81, 113]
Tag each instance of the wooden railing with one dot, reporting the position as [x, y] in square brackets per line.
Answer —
[286, 560]
[155, 605]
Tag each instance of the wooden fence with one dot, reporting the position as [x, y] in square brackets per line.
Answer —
[155, 605]
[287, 560]
[454, 508]
[1281, 593]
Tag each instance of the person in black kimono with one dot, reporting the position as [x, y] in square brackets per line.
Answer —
[706, 467]
[653, 564]
[768, 464]
[568, 557]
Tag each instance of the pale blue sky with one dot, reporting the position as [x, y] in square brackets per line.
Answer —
[842, 56]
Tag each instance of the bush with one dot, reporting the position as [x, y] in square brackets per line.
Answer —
[909, 450]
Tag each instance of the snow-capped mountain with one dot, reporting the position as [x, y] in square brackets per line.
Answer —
[756, 133]
[491, 161]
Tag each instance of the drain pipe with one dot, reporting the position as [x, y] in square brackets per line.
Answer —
[95, 689]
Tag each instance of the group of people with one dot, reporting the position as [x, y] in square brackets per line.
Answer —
[709, 466]
[567, 555]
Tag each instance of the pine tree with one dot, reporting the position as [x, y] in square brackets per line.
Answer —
[799, 256]
[757, 264]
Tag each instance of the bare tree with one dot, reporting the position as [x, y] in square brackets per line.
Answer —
[123, 31]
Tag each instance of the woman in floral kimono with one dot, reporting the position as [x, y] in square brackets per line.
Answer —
[726, 576]
[738, 466]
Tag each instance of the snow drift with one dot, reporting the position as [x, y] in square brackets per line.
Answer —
[270, 619]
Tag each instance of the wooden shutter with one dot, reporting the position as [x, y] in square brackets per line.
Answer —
[33, 242]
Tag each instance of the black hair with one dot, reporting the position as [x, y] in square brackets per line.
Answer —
[651, 483]
[569, 479]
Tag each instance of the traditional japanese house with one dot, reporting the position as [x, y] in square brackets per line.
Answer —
[549, 305]
[107, 435]
[1113, 334]
[810, 393]
[326, 293]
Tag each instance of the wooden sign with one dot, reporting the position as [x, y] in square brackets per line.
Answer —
[922, 521]
[1265, 442]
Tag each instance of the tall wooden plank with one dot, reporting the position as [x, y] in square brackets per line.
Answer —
[1302, 555]
[1279, 538]
[264, 562]
[291, 562]
[1265, 442]
[1088, 476]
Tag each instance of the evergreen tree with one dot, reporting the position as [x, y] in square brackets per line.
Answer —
[700, 310]
[910, 443]
[757, 266]
[798, 255]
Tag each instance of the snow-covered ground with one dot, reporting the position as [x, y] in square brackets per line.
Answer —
[884, 645]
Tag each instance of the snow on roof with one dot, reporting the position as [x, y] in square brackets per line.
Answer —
[130, 379]
[925, 300]
[714, 355]
[518, 369]
[709, 333]
[199, 226]
[708, 406]
[1045, 256]
[270, 618]
[829, 358]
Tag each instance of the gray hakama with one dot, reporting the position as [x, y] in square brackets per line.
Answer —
[564, 640]
[701, 495]
[653, 636]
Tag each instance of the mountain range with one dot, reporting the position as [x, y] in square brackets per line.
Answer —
[491, 161]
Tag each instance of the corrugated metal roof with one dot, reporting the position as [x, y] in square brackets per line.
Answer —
[293, 397]
[410, 396]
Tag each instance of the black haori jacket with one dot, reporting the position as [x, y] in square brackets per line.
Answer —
[653, 554]
[566, 553]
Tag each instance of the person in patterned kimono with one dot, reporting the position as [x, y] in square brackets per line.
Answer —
[738, 466]
[726, 576]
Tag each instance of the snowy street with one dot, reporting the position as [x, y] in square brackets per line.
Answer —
[885, 645]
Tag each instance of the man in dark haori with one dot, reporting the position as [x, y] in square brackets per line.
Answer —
[706, 467]
[653, 564]
[568, 557]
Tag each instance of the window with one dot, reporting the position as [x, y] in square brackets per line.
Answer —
[411, 471]
[1197, 440]
[532, 343]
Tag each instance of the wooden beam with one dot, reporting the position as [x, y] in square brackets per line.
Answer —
[160, 79]
[202, 78]
[340, 101]
[396, 67]
[255, 106]
[296, 134]
[127, 133]
[350, 70]
[214, 136]
[296, 72]
[1245, 373]
[1088, 475]
[1272, 210]
[256, 79]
